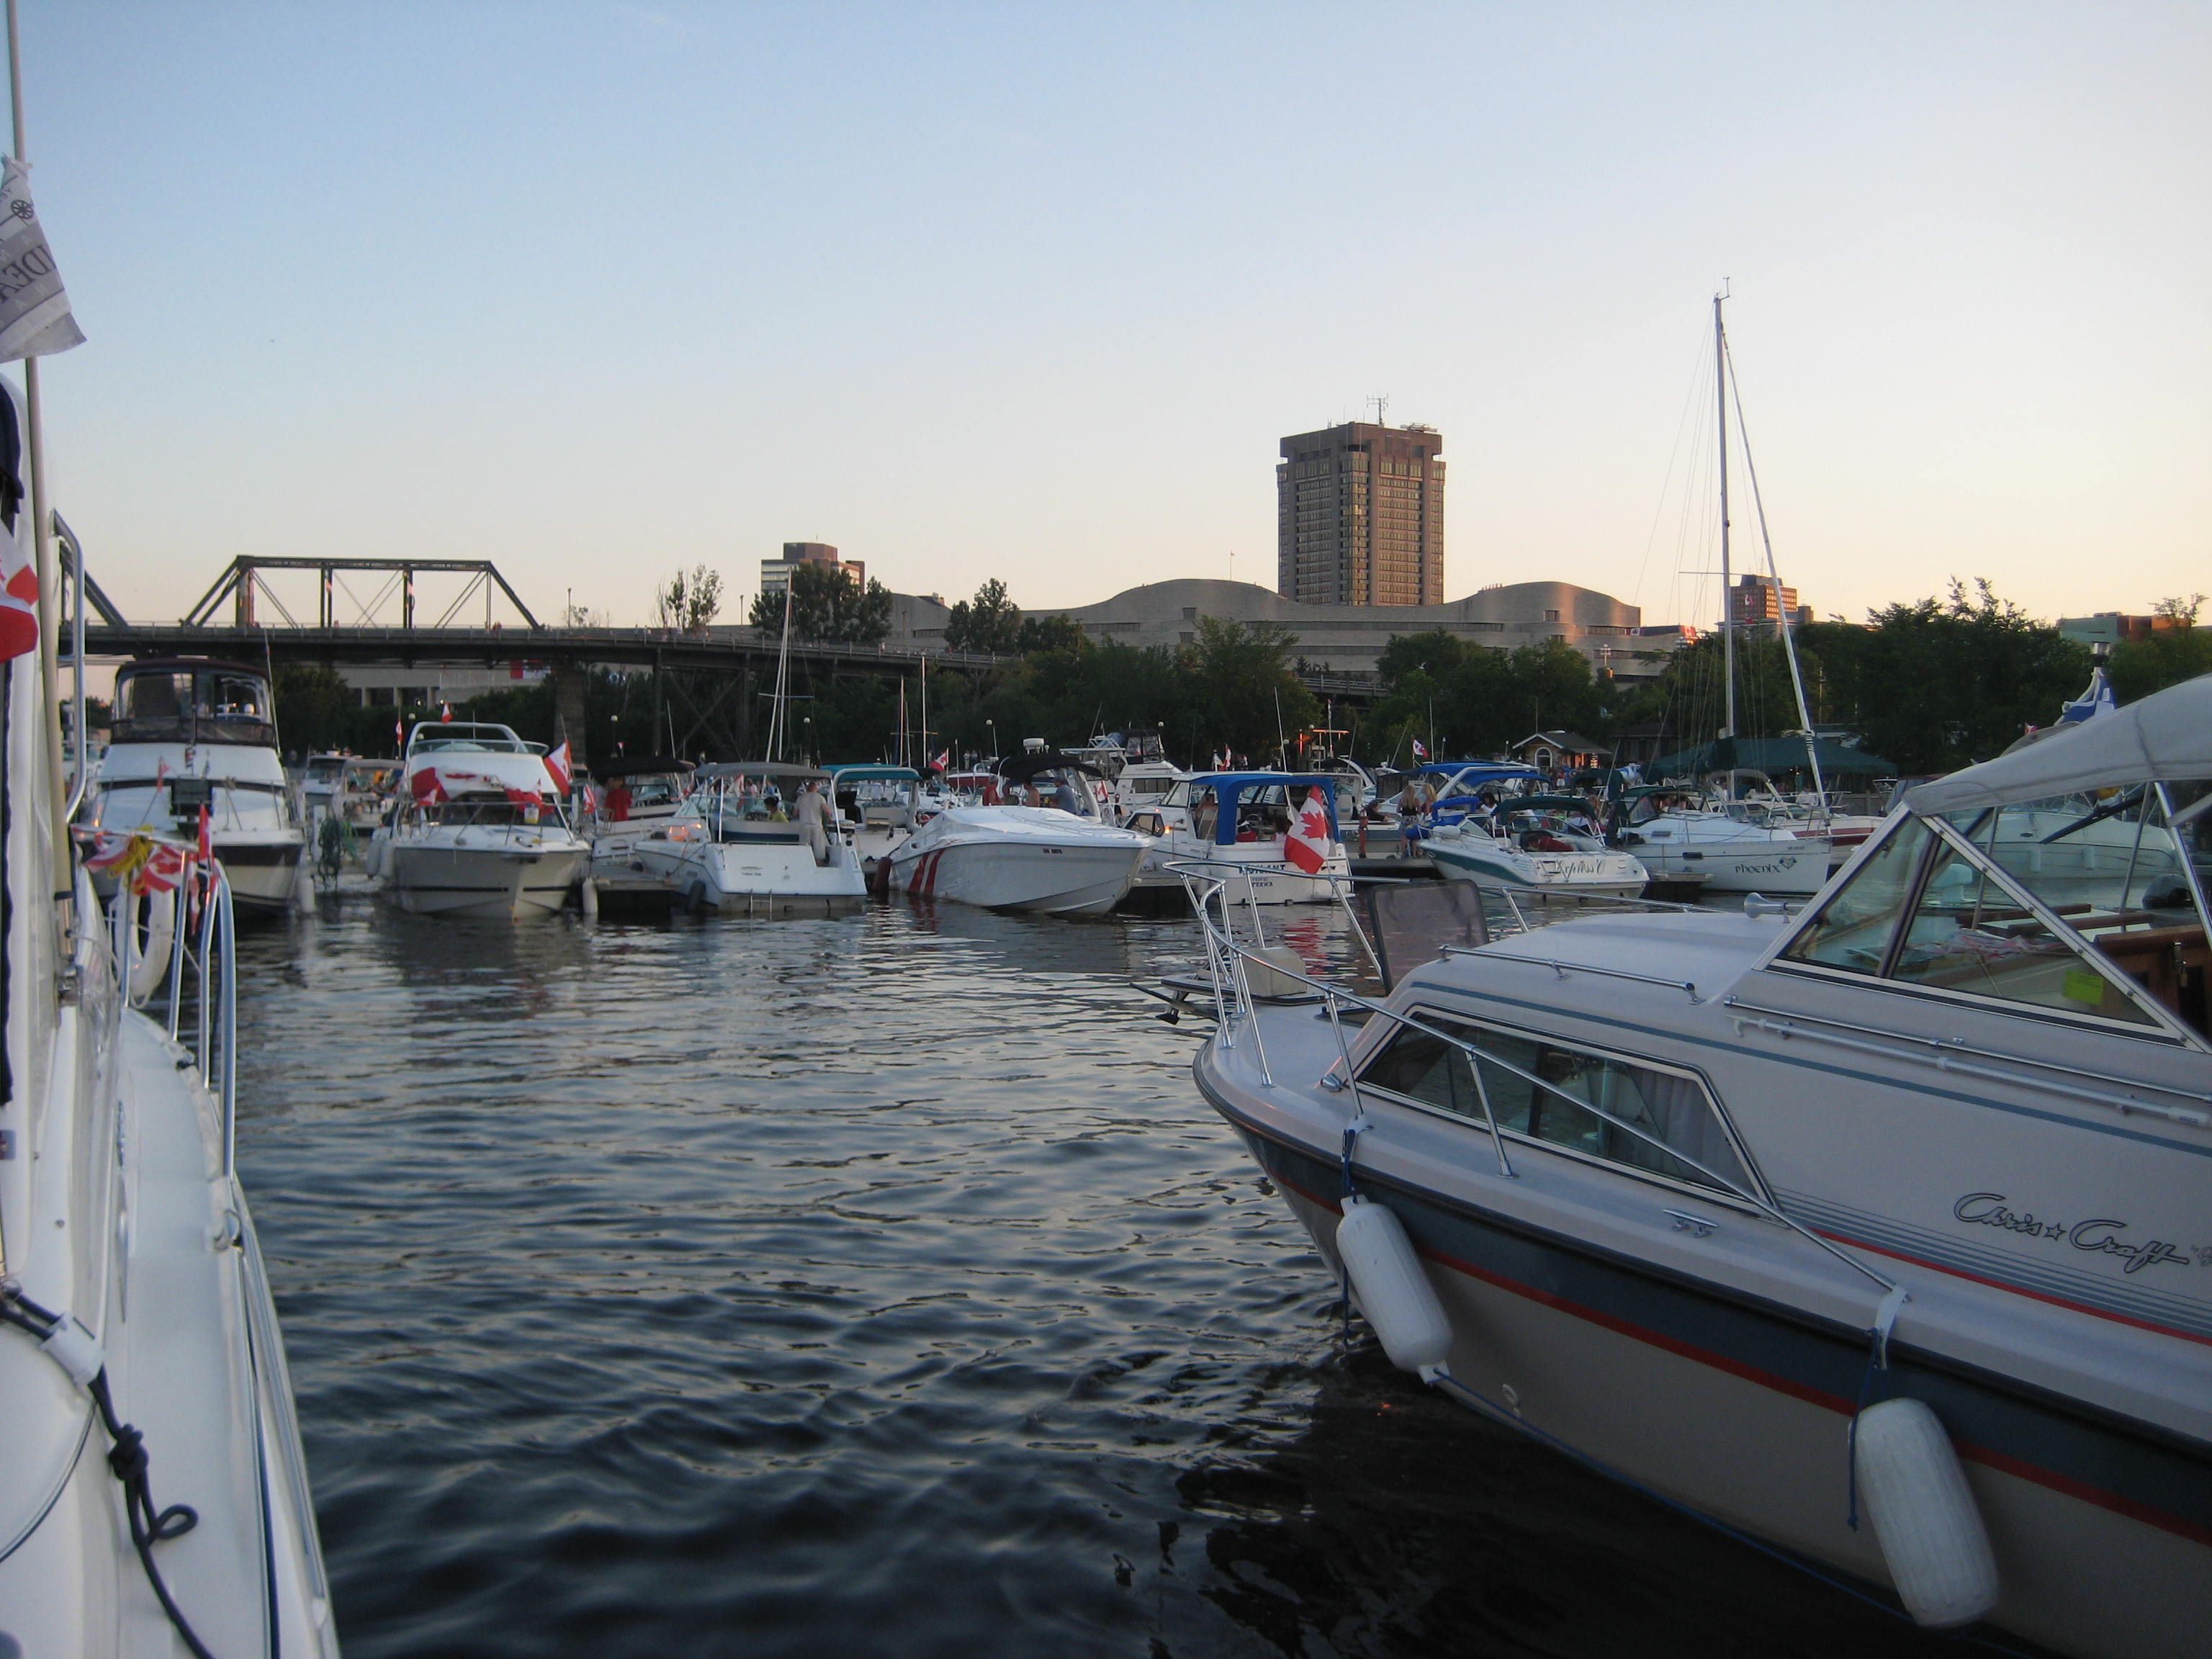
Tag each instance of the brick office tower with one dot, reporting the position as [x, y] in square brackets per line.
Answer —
[1360, 516]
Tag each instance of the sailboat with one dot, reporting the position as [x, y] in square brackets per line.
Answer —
[1724, 843]
[152, 1495]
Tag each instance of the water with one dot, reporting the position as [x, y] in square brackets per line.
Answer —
[869, 1287]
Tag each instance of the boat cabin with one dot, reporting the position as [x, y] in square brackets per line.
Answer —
[650, 786]
[1228, 807]
[192, 701]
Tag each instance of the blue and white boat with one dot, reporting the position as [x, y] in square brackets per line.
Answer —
[1239, 822]
[1881, 1232]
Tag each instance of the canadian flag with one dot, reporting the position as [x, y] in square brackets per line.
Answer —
[18, 598]
[424, 784]
[944, 760]
[1309, 844]
[1419, 753]
[563, 772]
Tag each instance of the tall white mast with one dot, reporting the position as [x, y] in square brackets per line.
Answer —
[775, 720]
[1727, 598]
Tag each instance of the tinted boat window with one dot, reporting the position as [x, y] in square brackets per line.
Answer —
[1854, 927]
[1673, 1110]
[153, 708]
[1969, 934]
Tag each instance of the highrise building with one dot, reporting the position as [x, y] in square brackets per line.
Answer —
[775, 574]
[1751, 600]
[1360, 516]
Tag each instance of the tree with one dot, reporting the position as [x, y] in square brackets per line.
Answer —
[991, 622]
[689, 601]
[1237, 687]
[1040, 633]
[2167, 655]
[316, 709]
[828, 604]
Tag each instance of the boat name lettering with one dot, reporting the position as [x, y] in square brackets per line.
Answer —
[2100, 1234]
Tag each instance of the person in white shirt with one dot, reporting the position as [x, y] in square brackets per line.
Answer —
[813, 812]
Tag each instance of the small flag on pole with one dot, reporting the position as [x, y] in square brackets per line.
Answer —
[34, 309]
[560, 769]
[1419, 753]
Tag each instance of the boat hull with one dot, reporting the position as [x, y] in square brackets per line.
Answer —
[1800, 868]
[1609, 875]
[264, 872]
[1073, 880]
[754, 876]
[486, 882]
[1740, 1408]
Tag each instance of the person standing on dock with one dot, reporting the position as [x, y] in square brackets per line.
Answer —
[810, 810]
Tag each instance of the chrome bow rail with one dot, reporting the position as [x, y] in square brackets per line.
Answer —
[202, 933]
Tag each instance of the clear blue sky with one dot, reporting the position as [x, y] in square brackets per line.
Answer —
[1033, 291]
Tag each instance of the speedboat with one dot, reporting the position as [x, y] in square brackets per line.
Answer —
[154, 1499]
[1019, 858]
[1879, 1230]
[733, 847]
[192, 734]
[1677, 837]
[1243, 822]
[1535, 841]
[481, 832]
[632, 801]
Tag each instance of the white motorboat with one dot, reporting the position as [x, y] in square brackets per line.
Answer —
[152, 1495]
[318, 781]
[632, 799]
[734, 846]
[880, 806]
[364, 793]
[1728, 853]
[1243, 822]
[480, 833]
[192, 733]
[1881, 1231]
[1542, 841]
[1019, 858]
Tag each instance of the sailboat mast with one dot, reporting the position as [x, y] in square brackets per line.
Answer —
[1727, 600]
[775, 720]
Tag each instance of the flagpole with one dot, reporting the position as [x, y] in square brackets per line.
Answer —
[42, 540]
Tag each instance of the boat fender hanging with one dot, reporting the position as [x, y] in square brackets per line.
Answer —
[152, 965]
[1931, 1534]
[1268, 971]
[1394, 1293]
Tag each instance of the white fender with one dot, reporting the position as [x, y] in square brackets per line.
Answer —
[1394, 1293]
[152, 966]
[1261, 974]
[1916, 1494]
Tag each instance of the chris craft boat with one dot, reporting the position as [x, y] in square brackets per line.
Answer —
[189, 733]
[1243, 822]
[479, 831]
[734, 848]
[1048, 859]
[153, 1496]
[1883, 1232]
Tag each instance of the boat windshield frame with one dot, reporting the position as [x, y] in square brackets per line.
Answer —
[424, 739]
[2162, 1025]
[202, 718]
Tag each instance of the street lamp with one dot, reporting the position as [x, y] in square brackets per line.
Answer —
[807, 721]
[994, 725]
[617, 724]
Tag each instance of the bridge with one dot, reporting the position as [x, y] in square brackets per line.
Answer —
[262, 628]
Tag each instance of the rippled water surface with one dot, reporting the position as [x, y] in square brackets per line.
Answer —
[877, 1285]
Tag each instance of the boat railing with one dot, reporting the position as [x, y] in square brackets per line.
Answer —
[1229, 961]
[201, 942]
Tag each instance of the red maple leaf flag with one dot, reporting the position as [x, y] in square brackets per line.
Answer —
[1308, 845]
[562, 770]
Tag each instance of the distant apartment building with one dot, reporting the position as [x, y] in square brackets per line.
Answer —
[775, 574]
[1360, 516]
[1752, 603]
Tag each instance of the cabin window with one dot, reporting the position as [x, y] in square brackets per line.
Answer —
[1969, 934]
[1671, 1109]
[1854, 927]
[153, 708]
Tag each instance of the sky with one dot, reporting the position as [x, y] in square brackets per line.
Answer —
[602, 290]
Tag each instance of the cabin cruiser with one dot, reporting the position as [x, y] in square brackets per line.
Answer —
[1881, 1232]
[191, 734]
[1678, 835]
[364, 793]
[319, 781]
[1058, 855]
[151, 1478]
[880, 806]
[1243, 823]
[480, 832]
[634, 799]
[1543, 841]
[736, 848]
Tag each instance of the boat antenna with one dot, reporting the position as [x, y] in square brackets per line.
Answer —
[1774, 584]
[1727, 600]
[42, 515]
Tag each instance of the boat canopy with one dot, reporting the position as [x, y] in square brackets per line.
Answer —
[775, 771]
[2168, 735]
[640, 767]
[1231, 788]
[1022, 767]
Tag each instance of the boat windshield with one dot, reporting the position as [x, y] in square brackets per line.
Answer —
[456, 738]
[2124, 874]
[202, 704]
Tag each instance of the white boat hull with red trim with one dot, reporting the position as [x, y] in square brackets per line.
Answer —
[1019, 858]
